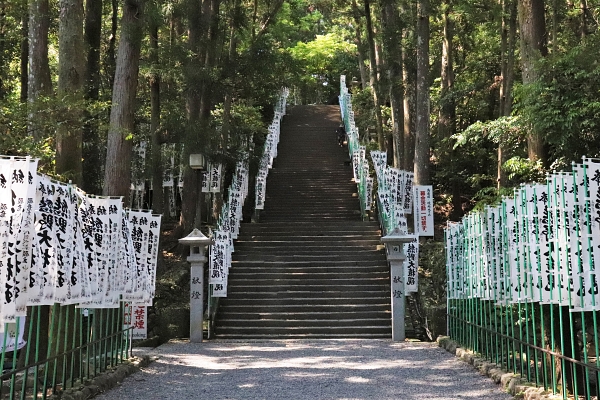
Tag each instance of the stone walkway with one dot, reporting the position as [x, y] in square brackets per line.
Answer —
[305, 369]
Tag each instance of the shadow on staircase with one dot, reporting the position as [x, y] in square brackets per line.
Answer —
[311, 268]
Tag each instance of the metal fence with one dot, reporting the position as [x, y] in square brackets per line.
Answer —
[523, 286]
[65, 347]
[70, 263]
[357, 152]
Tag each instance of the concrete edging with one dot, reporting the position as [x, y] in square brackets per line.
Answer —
[104, 381]
[511, 383]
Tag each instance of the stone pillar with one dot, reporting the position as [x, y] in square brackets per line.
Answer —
[197, 242]
[394, 244]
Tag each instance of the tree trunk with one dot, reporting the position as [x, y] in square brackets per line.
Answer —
[391, 31]
[373, 78]
[533, 46]
[408, 109]
[360, 47]
[70, 90]
[196, 35]
[24, 55]
[447, 113]
[92, 153]
[3, 41]
[583, 27]
[39, 83]
[555, 23]
[117, 175]
[207, 98]
[509, 28]
[422, 139]
[155, 131]
[111, 59]
[212, 46]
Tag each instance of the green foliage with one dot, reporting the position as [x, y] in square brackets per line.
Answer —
[506, 130]
[489, 196]
[364, 109]
[524, 170]
[564, 104]
[246, 125]
[432, 284]
[16, 141]
[320, 62]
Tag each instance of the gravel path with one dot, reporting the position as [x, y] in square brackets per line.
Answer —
[309, 369]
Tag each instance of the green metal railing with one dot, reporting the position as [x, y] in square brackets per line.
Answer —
[356, 151]
[522, 284]
[77, 346]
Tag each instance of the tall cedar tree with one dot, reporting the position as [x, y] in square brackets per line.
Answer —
[117, 175]
[422, 137]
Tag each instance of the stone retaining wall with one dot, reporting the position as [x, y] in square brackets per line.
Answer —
[510, 382]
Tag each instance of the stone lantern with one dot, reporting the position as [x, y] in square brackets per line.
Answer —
[198, 243]
[394, 244]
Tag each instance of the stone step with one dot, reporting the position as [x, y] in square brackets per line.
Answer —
[291, 323]
[308, 225]
[298, 336]
[306, 331]
[308, 249]
[293, 289]
[311, 268]
[332, 293]
[306, 266]
[283, 258]
[290, 278]
[321, 241]
[302, 309]
[267, 302]
[226, 316]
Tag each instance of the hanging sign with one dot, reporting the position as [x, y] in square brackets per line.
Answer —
[423, 210]
[411, 266]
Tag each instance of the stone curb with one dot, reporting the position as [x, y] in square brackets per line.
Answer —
[511, 383]
[105, 381]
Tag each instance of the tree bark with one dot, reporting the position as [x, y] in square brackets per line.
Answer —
[583, 28]
[360, 47]
[555, 23]
[91, 150]
[24, 55]
[373, 78]
[447, 113]
[508, 39]
[70, 90]
[39, 84]
[532, 26]
[196, 36]
[422, 139]
[408, 110]
[117, 175]
[155, 131]
[111, 59]
[392, 29]
[3, 41]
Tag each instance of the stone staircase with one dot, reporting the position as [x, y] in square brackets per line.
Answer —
[310, 268]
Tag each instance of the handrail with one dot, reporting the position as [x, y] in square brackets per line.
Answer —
[357, 153]
[269, 152]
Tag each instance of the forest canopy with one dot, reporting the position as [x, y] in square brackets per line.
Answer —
[474, 97]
